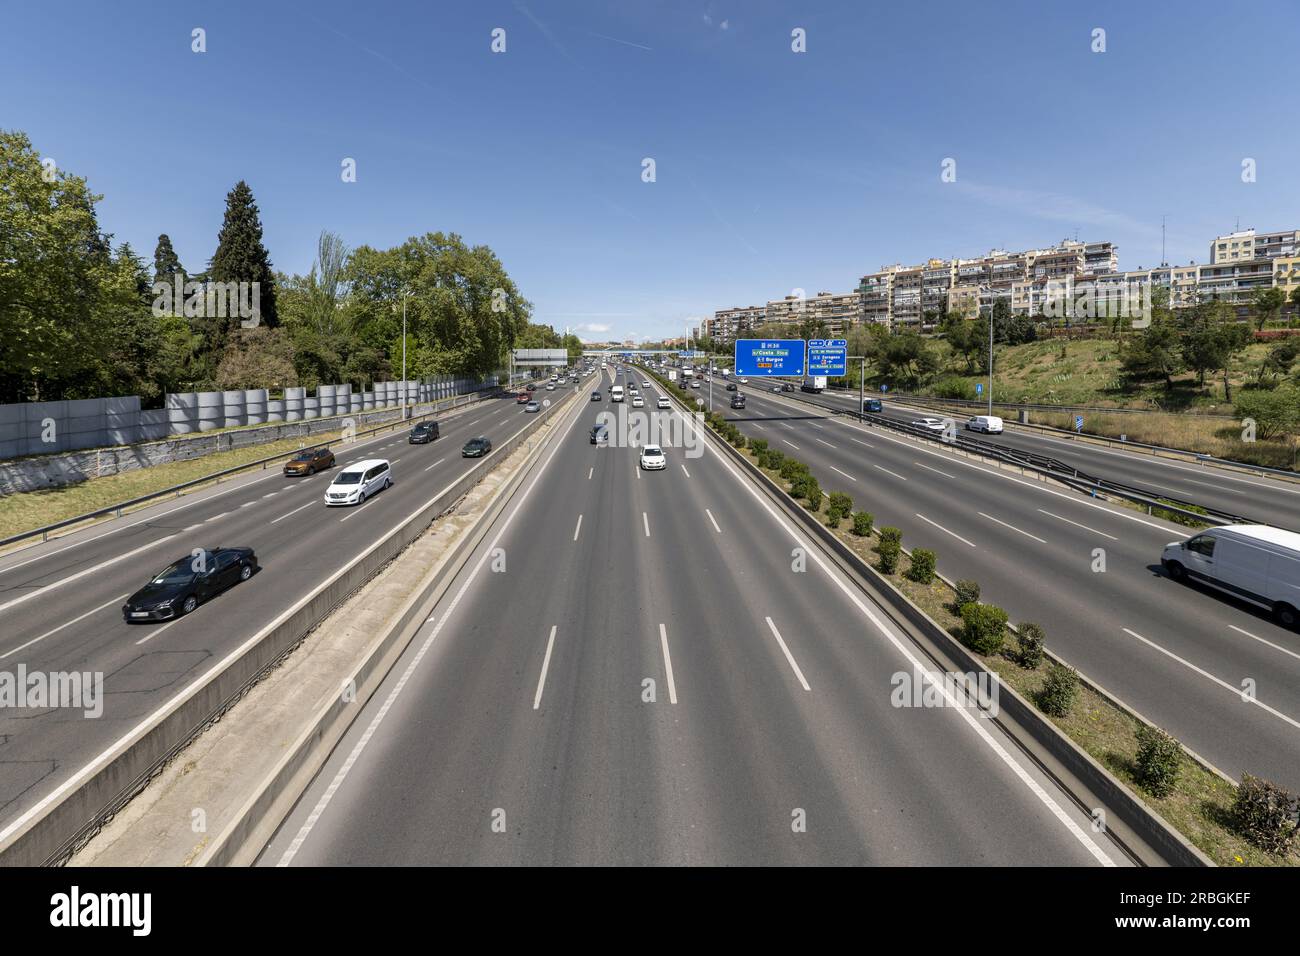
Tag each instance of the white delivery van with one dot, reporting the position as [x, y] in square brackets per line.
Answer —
[988, 424]
[1254, 562]
[355, 483]
[616, 393]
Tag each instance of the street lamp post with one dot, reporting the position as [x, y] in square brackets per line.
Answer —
[405, 293]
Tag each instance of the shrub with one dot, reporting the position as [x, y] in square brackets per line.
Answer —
[1158, 758]
[922, 568]
[1060, 688]
[739, 439]
[775, 459]
[792, 467]
[1030, 638]
[813, 492]
[889, 552]
[950, 386]
[891, 534]
[759, 445]
[841, 502]
[862, 522]
[833, 517]
[968, 592]
[984, 627]
[1264, 814]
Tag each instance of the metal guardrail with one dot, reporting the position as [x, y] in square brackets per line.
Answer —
[216, 476]
[1031, 406]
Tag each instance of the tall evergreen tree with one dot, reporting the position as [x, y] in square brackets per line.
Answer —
[166, 264]
[240, 255]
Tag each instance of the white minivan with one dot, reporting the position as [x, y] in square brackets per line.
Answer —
[616, 393]
[355, 483]
[988, 424]
[1254, 562]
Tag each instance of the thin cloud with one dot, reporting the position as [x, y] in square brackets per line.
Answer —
[546, 32]
[617, 40]
[1055, 207]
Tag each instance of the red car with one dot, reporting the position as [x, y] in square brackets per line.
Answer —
[522, 398]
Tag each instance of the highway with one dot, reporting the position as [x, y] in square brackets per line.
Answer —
[651, 681]
[60, 601]
[1177, 654]
[1264, 499]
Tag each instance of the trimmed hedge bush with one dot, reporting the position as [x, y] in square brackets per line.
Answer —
[759, 445]
[792, 467]
[968, 592]
[889, 552]
[1059, 690]
[1030, 639]
[841, 502]
[813, 492]
[1265, 814]
[862, 522]
[922, 567]
[984, 627]
[892, 534]
[1158, 758]
[775, 459]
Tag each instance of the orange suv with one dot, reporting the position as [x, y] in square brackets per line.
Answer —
[309, 461]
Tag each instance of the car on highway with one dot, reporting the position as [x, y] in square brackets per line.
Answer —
[531, 386]
[776, 388]
[595, 396]
[532, 407]
[872, 405]
[695, 384]
[522, 398]
[787, 387]
[732, 386]
[988, 424]
[357, 482]
[423, 433]
[476, 447]
[638, 401]
[743, 381]
[652, 458]
[663, 402]
[1257, 563]
[645, 384]
[599, 435]
[550, 386]
[928, 424]
[309, 461]
[738, 400]
[185, 584]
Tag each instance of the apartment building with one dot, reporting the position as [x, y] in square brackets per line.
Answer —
[1247, 244]
[838, 312]
[736, 322]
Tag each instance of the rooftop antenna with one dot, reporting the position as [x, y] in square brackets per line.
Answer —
[1163, 260]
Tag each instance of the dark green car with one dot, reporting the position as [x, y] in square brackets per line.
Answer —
[476, 448]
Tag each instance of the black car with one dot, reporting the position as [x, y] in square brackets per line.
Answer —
[183, 585]
[787, 387]
[423, 433]
[737, 401]
[871, 405]
[595, 396]
[731, 386]
[476, 448]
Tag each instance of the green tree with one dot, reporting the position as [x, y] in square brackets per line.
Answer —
[1152, 353]
[167, 266]
[241, 257]
[1266, 304]
[1211, 337]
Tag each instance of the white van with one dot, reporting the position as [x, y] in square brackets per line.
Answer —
[355, 483]
[1254, 562]
[988, 424]
[616, 393]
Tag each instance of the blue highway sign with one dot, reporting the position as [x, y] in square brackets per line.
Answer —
[769, 357]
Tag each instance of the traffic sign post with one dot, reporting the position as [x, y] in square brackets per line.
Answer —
[1078, 423]
[828, 357]
[769, 357]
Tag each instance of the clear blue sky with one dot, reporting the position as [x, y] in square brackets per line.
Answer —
[775, 170]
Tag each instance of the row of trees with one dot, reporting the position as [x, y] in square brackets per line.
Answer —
[79, 316]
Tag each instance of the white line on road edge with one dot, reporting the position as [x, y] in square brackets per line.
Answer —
[156, 631]
[355, 754]
[894, 473]
[293, 512]
[1276, 647]
[714, 520]
[945, 530]
[788, 656]
[645, 520]
[1077, 525]
[668, 665]
[577, 528]
[1012, 527]
[65, 624]
[1222, 683]
[844, 473]
[937, 680]
[546, 664]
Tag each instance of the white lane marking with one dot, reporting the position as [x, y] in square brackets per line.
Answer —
[844, 473]
[788, 656]
[791, 444]
[1222, 683]
[714, 520]
[637, 469]
[191, 527]
[1276, 647]
[56, 630]
[546, 664]
[577, 528]
[154, 632]
[271, 495]
[688, 474]
[757, 425]
[395, 461]
[1077, 525]
[293, 512]
[888, 472]
[668, 664]
[1012, 527]
[436, 463]
[815, 425]
[645, 520]
[866, 443]
[357, 509]
[945, 530]
[83, 573]
[936, 679]
[826, 443]
[321, 805]
[215, 517]
[935, 470]
[591, 471]
[248, 504]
